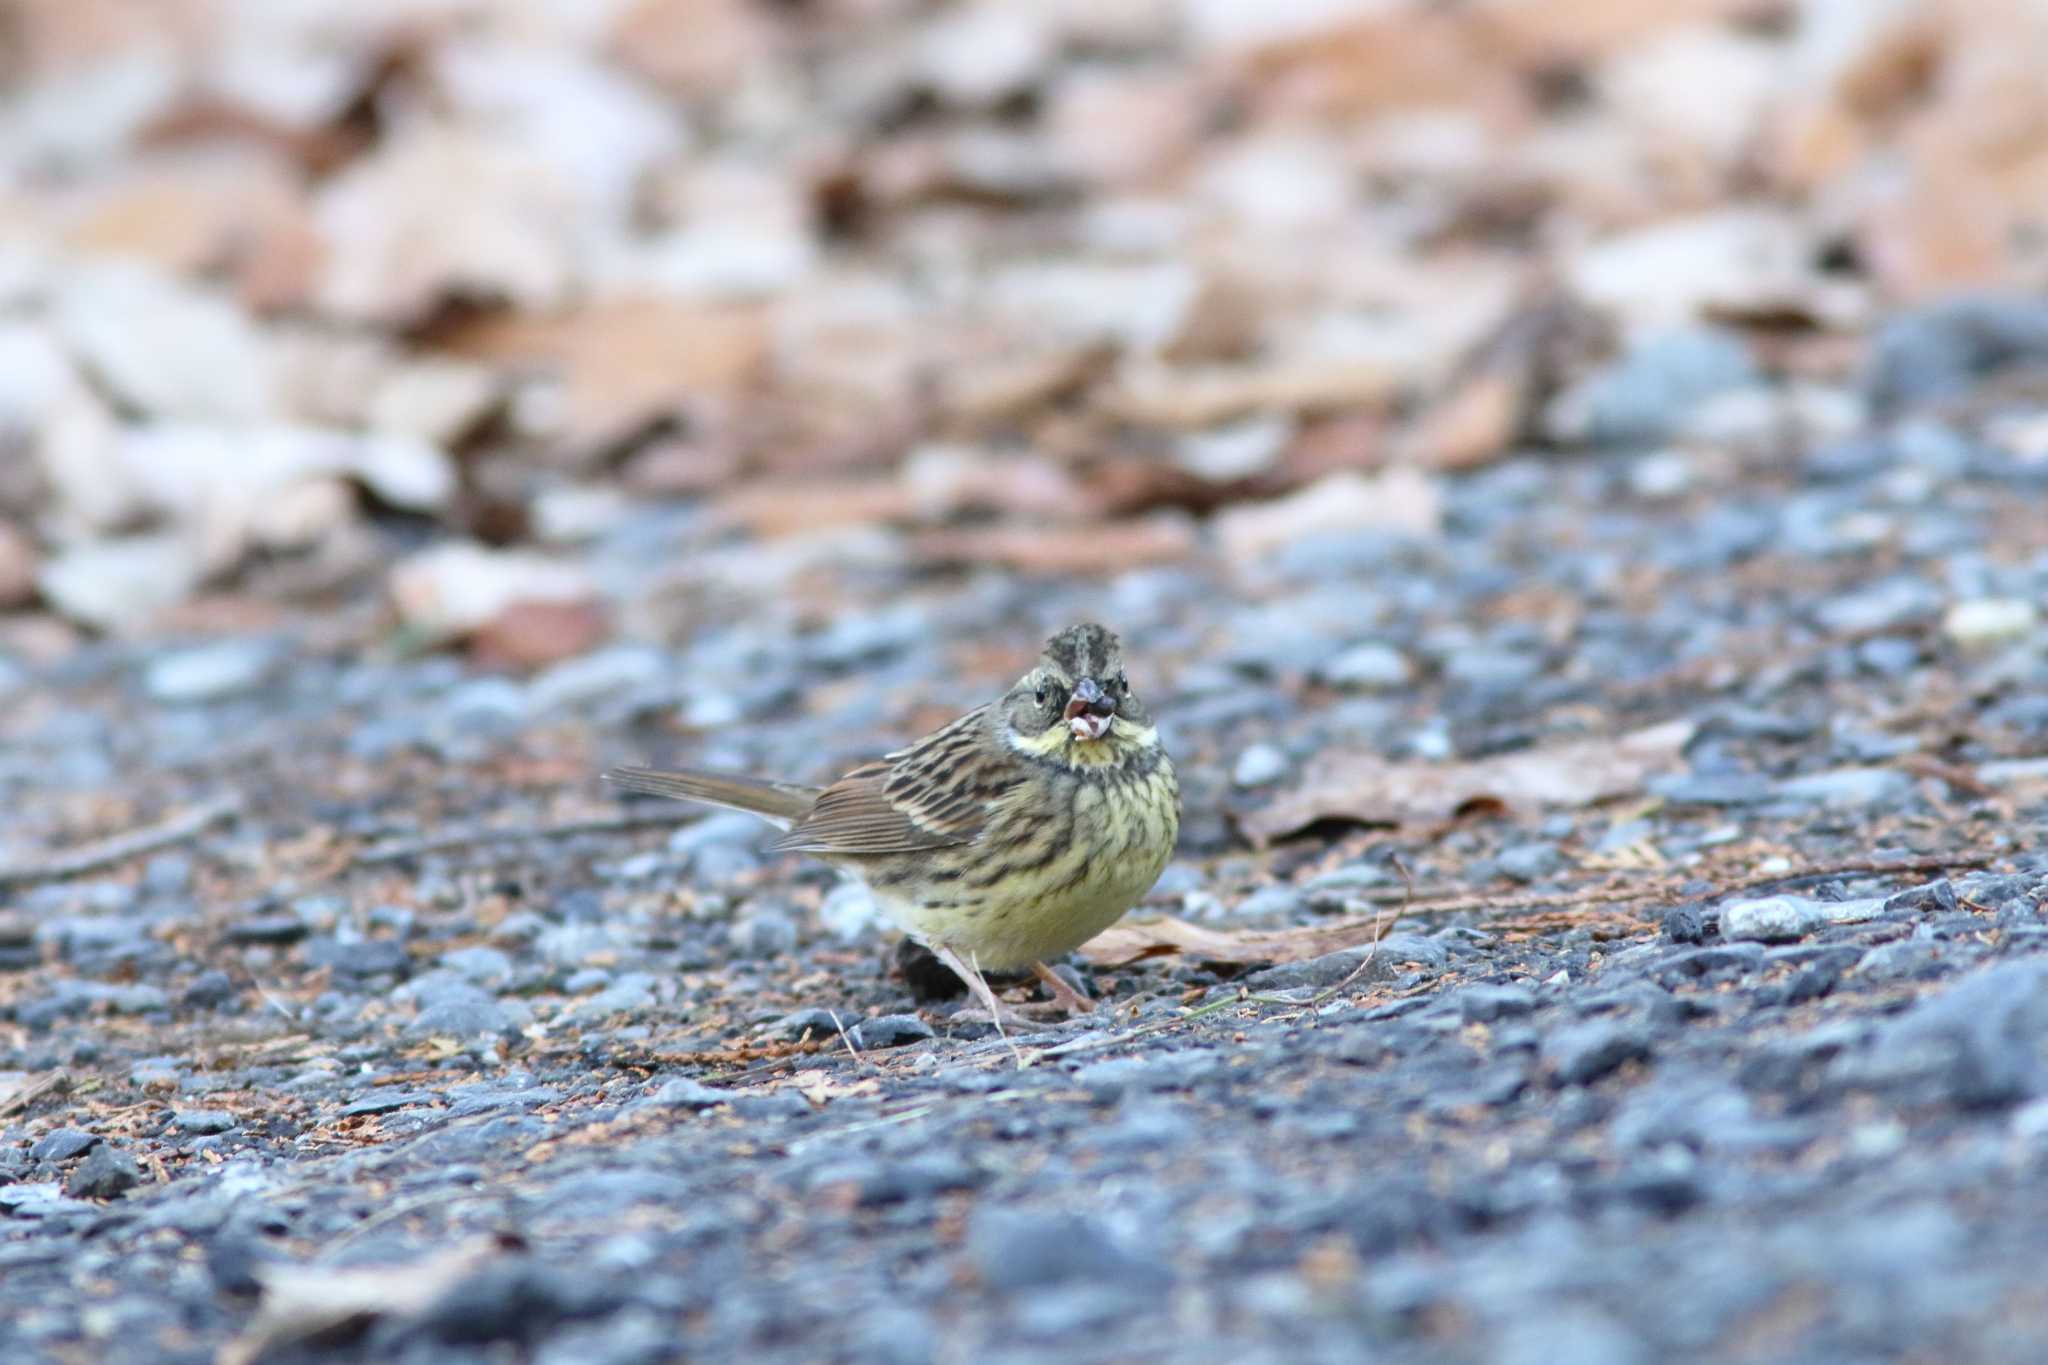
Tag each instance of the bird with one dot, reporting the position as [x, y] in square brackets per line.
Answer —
[1003, 839]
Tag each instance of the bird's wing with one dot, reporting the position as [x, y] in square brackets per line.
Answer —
[934, 794]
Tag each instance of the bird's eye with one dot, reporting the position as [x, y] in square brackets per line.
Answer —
[1039, 696]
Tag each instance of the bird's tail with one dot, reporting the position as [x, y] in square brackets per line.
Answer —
[782, 803]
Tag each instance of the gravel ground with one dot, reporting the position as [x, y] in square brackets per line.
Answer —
[409, 1044]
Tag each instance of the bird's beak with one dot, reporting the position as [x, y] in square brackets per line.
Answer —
[1090, 711]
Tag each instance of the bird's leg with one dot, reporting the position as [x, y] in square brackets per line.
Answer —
[978, 986]
[1063, 995]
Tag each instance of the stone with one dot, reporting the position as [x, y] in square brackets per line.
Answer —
[1849, 788]
[106, 1172]
[1772, 919]
[1584, 1053]
[1530, 862]
[851, 912]
[1941, 350]
[1483, 1004]
[469, 1013]
[1317, 973]
[816, 1022]
[890, 1030]
[362, 958]
[388, 1101]
[764, 932]
[200, 1122]
[63, 1145]
[1645, 397]
[1259, 765]
[1015, 1250]
[684, 1093]
[209, 672]
[1368, 667]
[267, 927]
[1988, 622]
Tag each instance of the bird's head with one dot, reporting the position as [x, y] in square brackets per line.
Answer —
[1076, 706]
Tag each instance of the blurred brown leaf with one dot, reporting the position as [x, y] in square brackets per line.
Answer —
[626, 362]
[1399, 499]
[1354, 784]
[1204, 396]
[535, 634]
[1134, 940]
[1107, 547]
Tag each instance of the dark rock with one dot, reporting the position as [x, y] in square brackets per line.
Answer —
[1484, 1004]
[106, 1172]
[781, 1104]
[271, 927]
[1014, 1250]
[890, 1030]
[1686, 789]
[199, 1122]
[1720, 959]
[1941, 350]
[1584, 1053]
[63, 1145]
[511, 1299]
[1530, 862]
[388, 1101]
[764, 933]
[457, 1009]
[1687, 924]
[928, 978]
[366, 957]
[208, 990]
[814, 1023]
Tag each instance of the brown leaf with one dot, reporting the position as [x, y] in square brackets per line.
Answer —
[1351, 784]
[1131, 941]
[1400, 499]
[535, 634]
[1107, 548]
[780, 508]
[301, 1303]
[1474, 423]
[627, 362]
[1192, 398]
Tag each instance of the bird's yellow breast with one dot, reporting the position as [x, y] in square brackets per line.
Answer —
[1060, 860]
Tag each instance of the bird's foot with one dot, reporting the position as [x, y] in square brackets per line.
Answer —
[998, 1012]
[1062, 991]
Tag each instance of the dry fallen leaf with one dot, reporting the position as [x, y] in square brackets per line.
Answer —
[1131, 941]
[303, 1302]
[1351, 784]
[626, 361]
[822, 1087]
[1109, 547]
[1202, 396]
[1400, 499]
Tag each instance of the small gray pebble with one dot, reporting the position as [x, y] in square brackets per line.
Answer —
[1584, 1053]
[64, 1144]
[106, 1172]
[1258, 765]
[199, 1122]
[890, 1030]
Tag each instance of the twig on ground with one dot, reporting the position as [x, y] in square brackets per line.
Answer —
[121, 847]
[846, 1038]
[56, 1083]
[1609, 895]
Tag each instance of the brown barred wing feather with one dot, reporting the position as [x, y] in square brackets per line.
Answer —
[934, 794]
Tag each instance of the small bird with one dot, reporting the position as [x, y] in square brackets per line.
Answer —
[1012, 835]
